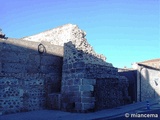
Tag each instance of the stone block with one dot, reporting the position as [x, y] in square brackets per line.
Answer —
[77, 81]
[75, 99]
[86, 88]
[74, 88]
[87, 94]
[88, 81]
[88, 106]
[87, 99]
[80, 75]
[77, 93]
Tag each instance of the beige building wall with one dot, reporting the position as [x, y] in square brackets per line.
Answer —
[148, 80]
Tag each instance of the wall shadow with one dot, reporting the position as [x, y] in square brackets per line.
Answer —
[132, 79]
[144, 83]
[29, 72]
[149, 83]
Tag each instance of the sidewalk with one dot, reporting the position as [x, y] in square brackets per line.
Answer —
[60, 115]
[154, 105]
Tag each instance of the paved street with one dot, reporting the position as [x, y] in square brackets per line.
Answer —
[154, 109]
[106, 114]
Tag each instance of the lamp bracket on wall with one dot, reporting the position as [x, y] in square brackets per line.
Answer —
[41, 48]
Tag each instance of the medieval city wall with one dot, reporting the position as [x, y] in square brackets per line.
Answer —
[27, 77]
[64, 34]
[88, 85]
[57, 69]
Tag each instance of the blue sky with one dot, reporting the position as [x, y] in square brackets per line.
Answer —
[125, 31]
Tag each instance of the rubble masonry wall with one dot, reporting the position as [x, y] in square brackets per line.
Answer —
[26, 76]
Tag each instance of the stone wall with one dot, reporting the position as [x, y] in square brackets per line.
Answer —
[75, 91]
[22, 93]
[131, 75]
[89, 85]
[27, 76]
[32, 76]
[111, 92]
[150, 79]
[64, 34]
